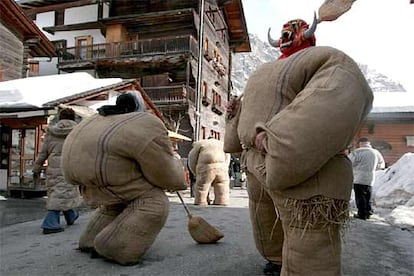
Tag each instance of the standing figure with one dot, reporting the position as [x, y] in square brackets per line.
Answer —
[123, 161]
[210, 164]
[365, 161]
[62, 196]
[292, 124]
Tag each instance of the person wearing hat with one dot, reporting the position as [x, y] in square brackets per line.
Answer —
[365, 161]
[292, 124]
[114, 157]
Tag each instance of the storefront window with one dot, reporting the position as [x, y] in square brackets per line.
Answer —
[22, 158]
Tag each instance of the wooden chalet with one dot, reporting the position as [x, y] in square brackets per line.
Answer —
[20, 40]
[390, 128]
[157, 43]
[22, 130]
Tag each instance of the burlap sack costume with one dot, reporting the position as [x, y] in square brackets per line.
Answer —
[210, 164]
[116, 162]
[310, 105]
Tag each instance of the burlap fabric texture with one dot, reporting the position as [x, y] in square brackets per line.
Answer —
[210, 164]
[116, 160]
[311, 105]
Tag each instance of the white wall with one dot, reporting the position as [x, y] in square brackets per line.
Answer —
[88, 13]
[70, 36]
[3, 180]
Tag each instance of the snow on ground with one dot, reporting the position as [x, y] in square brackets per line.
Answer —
[393, 192]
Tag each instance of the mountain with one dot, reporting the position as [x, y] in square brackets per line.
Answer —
[244, 64]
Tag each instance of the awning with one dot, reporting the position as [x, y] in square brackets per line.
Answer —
[82, 111]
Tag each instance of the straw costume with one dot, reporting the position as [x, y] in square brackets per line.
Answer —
[295, 119]
[115, 159]
[210, 164]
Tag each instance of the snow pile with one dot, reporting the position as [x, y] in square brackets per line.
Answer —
[36, 91]
[393, 191]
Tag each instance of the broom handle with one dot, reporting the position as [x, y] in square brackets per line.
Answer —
[185, 206]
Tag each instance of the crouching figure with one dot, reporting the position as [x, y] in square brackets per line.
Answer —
[114, 157]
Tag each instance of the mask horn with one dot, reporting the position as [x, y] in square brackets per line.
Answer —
[272, 42]
[309, 32]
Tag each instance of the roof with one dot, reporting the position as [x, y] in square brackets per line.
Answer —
[392, 106]
[25, 29]
[47, 92]
[233, 12]
[236, 21]
[393, 102]
[37, 91]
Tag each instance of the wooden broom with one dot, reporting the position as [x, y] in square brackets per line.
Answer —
[200, 230]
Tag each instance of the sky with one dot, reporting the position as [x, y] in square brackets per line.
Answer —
[378, 33]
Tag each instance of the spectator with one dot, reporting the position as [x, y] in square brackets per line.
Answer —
[61, 196]
[123, 161]
[365, 161]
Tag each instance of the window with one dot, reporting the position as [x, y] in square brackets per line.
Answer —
[204, 91]
[215, 134]
[83, 44]
[60, 44]
[206, 46]
[410, 141]
[203, 132]
[34, 68]
[216, 98]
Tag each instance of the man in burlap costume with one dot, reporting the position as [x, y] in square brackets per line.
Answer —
[295, 119]
[115, 158]
[210, 164]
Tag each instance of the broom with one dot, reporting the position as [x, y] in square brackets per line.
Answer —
[200, 230]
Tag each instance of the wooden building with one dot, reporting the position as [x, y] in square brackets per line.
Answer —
[20, 40]
[390, 128]
[157, 43]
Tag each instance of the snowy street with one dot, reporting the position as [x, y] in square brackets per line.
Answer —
[371, 247]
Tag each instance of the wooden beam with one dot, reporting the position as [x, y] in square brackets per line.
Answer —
[29, 10]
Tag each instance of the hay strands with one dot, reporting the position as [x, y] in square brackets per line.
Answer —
[200, 230]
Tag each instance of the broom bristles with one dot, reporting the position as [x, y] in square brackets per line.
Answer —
[202, 232]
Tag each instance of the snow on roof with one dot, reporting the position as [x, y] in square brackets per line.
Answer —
[393, 102]
[36, 91]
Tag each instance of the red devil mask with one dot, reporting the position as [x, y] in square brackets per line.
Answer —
[295, 36]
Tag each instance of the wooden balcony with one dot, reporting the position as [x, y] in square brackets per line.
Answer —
[84, 56]
[179, 95]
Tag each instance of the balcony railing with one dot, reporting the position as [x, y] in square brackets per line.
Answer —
[128, 49]
[171, 94]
